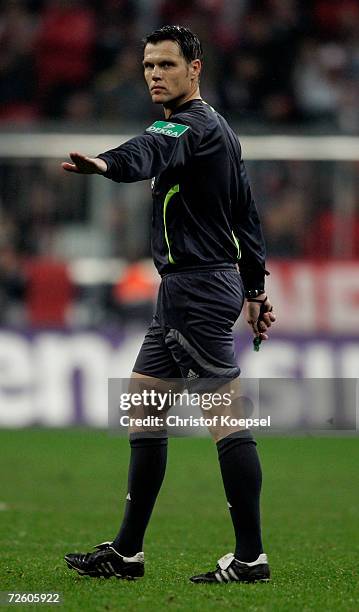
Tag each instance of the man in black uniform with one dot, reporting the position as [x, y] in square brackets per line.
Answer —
[205, 223]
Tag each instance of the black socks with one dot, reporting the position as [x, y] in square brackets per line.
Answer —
[145, 476]
[242, 479]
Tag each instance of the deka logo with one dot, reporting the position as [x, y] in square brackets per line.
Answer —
[175, 130]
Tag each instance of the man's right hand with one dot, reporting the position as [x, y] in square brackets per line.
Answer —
[85, 165]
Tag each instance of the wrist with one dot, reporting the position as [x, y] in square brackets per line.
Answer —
[101, 165]
[254, 294]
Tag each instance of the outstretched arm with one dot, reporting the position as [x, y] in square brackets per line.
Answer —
[146, 155]
[85, 165]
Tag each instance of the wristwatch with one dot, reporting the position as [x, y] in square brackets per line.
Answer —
[253, 293]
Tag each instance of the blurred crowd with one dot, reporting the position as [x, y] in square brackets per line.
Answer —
[277, 62]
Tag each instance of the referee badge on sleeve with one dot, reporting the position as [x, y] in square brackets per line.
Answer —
[175, 130]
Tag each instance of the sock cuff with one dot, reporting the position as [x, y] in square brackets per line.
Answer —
[148, 438]
[244, 436]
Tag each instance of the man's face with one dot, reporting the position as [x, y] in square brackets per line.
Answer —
[169, 77]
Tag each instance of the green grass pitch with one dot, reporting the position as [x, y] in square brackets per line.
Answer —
[63, 491]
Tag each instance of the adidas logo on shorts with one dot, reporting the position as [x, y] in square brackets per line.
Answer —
[191, 374]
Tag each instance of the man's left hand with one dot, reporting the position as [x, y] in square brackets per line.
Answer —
[260, 316]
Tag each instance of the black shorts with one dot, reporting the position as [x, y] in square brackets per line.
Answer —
[191, 335]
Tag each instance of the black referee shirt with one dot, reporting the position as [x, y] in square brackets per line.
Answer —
[203, 212]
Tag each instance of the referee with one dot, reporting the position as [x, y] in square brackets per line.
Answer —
[204, 225]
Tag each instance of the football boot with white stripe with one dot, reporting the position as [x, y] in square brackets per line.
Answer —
[230, 569]
[106, 562]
